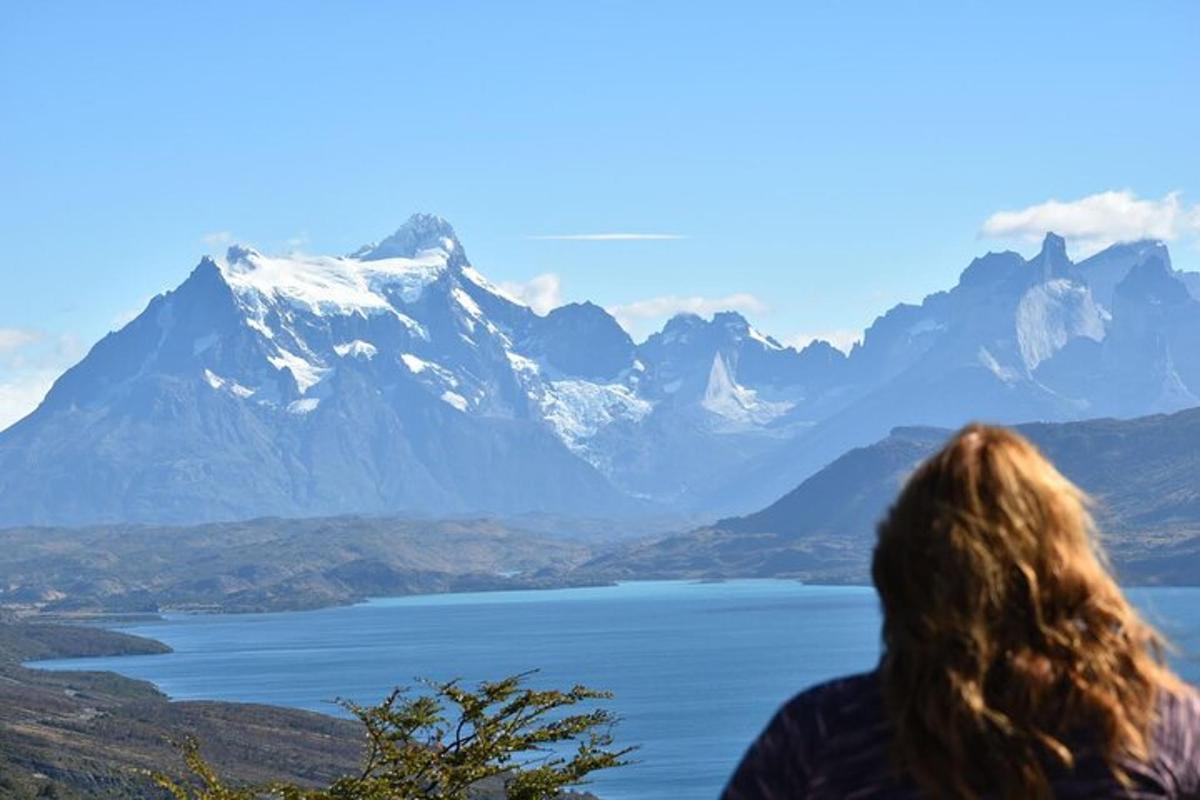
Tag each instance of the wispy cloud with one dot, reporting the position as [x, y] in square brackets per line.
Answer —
[12, 340]
[607, 237]
[1096, 221]
[296, 244]
[217, 239]
[21, 394]
[541, 293]
[640, 317]
[30, 362]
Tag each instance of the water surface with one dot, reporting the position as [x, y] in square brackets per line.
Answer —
[697, 668]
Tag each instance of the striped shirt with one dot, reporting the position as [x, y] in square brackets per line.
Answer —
[832, 743]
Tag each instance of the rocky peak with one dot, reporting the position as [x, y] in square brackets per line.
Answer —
[1052, 262]
[1151, 280]
[991, 269]
[422, 232]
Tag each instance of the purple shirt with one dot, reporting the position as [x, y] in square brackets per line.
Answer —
[832, 742]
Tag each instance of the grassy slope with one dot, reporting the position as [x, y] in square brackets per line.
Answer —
[268, 564]
[87, 734]
[90, 735]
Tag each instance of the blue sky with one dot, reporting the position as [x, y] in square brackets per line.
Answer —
[819, 161]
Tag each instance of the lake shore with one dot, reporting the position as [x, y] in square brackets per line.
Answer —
[87, 735]
[81, 734]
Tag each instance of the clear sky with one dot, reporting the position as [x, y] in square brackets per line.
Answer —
[818, 162]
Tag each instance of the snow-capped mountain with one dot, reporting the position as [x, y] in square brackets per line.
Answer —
[393, 379]
[398, 379]
[1016, 340]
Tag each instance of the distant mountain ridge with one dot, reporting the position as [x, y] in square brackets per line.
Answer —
[1016, 340]
[1144, 474]
[399, 379]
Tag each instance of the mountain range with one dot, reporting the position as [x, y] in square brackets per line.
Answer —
[398, 379]
[1140, 472]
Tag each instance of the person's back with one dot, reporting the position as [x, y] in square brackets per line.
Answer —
[1013, 666]
[834, 741]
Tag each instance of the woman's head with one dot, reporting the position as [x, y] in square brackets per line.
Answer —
[1006, 639]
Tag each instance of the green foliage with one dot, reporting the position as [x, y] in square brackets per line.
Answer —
[443, 743]
[204, 784]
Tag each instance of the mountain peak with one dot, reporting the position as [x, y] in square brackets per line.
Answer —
[684, 320]
[1152, 280]
[991, 268]
[1052, 241]
[420, 233]
[731, 319]
[1052, 261]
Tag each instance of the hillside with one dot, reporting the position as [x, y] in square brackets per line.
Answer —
[93, 735]
[268, 564]
[85, 735]
[1144, 473]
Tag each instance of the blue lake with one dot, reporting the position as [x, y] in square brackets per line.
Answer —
[696, 668]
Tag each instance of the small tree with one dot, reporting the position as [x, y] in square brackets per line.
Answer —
[439, 745]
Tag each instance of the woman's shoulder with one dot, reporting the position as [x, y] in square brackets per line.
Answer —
[830, 735]
[1178, 729]
[1175, 757]
[845, 713]
[848, 694]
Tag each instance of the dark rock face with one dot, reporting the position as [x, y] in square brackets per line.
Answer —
[583, 340]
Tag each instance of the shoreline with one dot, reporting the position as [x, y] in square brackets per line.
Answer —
[115, 621]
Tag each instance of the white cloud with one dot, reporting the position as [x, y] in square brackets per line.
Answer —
[217, 239]
[640, 317]
[1094, 222]
[30, 362]
[12, 340]
[21, 394]
[607, 237]
[841, 338]
[541, 293]
[296, 244]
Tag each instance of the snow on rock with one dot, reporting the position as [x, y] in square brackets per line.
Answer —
[233, 387]
[307, 375]
[474, 276]
[415, 327]
[455, 399]
[577, 410]
[260, 326]
[432, 374]
[415, 365]
[326, 285]
[766, 341]
[303, 406]
[467, 302]
[1052, 313]
[522, 365]
[725, 398]
[356, 349]
[1006, 374]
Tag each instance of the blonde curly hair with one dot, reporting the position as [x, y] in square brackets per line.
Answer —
[1005, 636]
